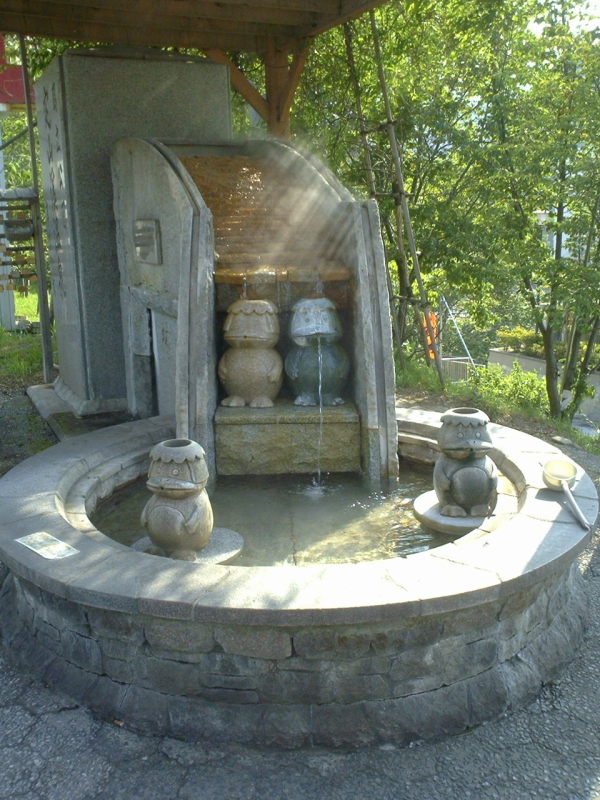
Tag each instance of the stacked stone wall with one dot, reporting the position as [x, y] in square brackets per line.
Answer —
[338, 685]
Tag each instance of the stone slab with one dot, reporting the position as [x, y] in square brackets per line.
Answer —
[223, 546]
[427, 510]
[79, 121]
[287, 439]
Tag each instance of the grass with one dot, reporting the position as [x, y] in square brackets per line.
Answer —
[21, 352]
[20, 359]
[27, 306]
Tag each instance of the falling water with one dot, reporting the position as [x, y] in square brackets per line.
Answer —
[319, 286]
[245, 286]
[319, 483]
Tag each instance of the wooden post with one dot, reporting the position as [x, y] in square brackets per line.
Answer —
[281, 80]
[276, 81]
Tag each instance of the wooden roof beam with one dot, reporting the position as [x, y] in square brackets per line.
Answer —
[116, 18]
[240, 82]
[346, 10]
[218, 10]
[80, 30]
[281, 79]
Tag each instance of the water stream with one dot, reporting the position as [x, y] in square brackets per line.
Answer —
[320, 396]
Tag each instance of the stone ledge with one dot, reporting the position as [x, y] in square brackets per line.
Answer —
[492, 614]
[348, 712]
[482, 565]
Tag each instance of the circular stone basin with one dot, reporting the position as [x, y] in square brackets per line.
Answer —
[291, 520]
[333, 654]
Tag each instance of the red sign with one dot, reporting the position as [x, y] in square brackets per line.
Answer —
[12, 92]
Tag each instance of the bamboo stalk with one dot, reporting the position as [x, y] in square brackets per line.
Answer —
[402, 198]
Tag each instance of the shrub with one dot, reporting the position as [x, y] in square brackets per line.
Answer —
[521, 340]
[418, 374]
[517, 390]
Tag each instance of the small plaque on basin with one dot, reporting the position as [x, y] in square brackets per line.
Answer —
[47, 546]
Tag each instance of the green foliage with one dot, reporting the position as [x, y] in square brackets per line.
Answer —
[499, 392]
[497, 400]
[496, 108]
[27, 306]
[478, 340]
[521, 340]
[20, 356]
[17, 162]
[417, 373]
[487, 387]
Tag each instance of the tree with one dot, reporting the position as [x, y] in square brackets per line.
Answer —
[495, 107]
[542, 99]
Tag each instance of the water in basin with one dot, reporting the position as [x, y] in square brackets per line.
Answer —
[289, 520]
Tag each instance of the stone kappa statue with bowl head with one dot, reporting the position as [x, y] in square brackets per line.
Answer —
[316, 365]
[178, 517]
[251, 369]
[464, 476]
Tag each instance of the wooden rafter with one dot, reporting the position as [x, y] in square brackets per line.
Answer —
[281, 77]
[240, 25]
[294, 74]
[240, 82]
[279, 31]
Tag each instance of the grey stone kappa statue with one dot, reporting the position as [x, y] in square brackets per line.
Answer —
[464, 476]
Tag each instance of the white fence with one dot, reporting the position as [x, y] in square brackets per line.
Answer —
[456, 369]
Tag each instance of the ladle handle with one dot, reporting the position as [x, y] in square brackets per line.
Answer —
[577, 513]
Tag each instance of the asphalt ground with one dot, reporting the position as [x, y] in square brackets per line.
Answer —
[54, 749]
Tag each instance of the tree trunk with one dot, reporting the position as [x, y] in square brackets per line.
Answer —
[580, 381]
[549, 339]
[403, 211]
[397, 313]
[572, 357]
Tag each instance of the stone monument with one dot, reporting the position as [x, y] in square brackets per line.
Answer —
[86, 100]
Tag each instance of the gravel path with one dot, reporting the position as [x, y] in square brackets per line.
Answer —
[53, 749]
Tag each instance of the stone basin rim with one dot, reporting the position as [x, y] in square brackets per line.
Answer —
[482, 565]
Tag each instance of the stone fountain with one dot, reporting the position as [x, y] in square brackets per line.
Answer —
[244, 229]
[395, 649]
